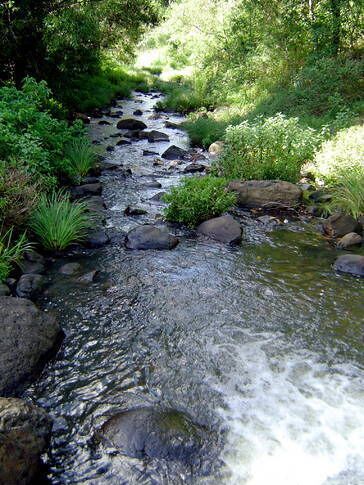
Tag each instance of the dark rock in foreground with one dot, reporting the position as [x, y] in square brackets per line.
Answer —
[27, 336]
[24, 435]
[153, 433]
[266, 193]
[150, 237]
[350, 263]
[338, 225]
[131, 124]
[224, 229]
[174, 153]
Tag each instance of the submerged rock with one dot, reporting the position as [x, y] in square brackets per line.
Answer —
[27, 336]
[338, 225]
[153, 433]
[260, 193]
[24, 436]
[350, 263]
[224, 229]
[174, 153]
[131, 124]
[150, 237]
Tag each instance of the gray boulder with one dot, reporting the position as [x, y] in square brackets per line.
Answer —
[29, 285]
[224, 229]
[131, 124]
[27, 336]
[350, 263]
[150, 237]
[338, 225]
[174, 153]
[261, 193]
[24, 435]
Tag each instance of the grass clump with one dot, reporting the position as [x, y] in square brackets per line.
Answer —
[198, 199]
[267, 149]
[81, 157]
[11, 252]
[348, 192]
[57, 222]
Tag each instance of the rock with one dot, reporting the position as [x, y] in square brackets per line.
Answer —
[216, 148]
[116, 114]
[110, 148]
[340, 224]
[314, 210]
[173, 153]
[148, 153]
[134, 211]
[351, 239]
[224, 229]
[24, 436]
[29, 285]
[95, 204]
[96, 239]
[86, 190]
[158, 162]
[350, 263]
[171, 125]
[70, 269]
[158, 197]
[266, 219]
[153, 185]
[138, 112]
[155, 433]
[174, 164]
[305, 186]
[150, 237]
[104, 122]
[260, 193]
[123, 142]
[96, 142]
[194, 168]
[87, 277]
[27, 336]
[131, 124]
[4, 290]
[320, 196]
[155, 136]
[90, 180]
[84, 118]
[32, 263]
[133, 134]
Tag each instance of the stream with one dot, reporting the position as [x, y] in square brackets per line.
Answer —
[261, 343]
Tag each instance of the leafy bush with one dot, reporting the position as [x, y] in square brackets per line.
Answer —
[11, 252]
[198, 199]
[271, 148]
[348, 192]
[57, 222]
[81, 157]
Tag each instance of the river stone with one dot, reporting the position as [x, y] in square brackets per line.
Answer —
[338, 225]
[351, 239]
[162, 434]
[174, 153]
[32, 263]
[260, 193]
[87, 277]
[95, 204]
[150, 237]
[149, 153]
[194, 168]
[70, 269]
[27, 336]
[224, 229]
[155, 136]
[123, 141]
[154, 184]
[131, 124]
[158, 197]
[104, 122]
[350, 263]
[4, 290]
[134, 211]
[24, 435]
[216, 148]
[29, 285]
[171, 125]
[86, 190]
[96, 239]
[138, 112]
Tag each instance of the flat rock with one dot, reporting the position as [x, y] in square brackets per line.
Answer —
[150, 237]
[27, 336]
[70, 269]
[131, 124]
[25, 432]
[29, 285]
[174, 153]
[86, 190]
[261, 193]
[349, 240]
[156, 136]
[338, 225]
[223, 229]
[194, 168]
[350, 263]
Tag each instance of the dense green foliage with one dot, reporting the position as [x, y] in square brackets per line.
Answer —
[57, 222]
[198, 199]
[11, 252]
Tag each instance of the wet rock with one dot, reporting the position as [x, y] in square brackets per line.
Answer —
[86, 190]
[158, 197]
[161, 434]
[194, 168]
[87, 277]
[110, 166]
[29, 285]
[104, 123]
[171, 125]
[340, 224]
[70, 269]
[314, 210]
[158, 162]
[148, 153]
[96, 142]
[90, 180]
[138, 112]
[174, 164]
[216, 148]
[24, 436]
[116, 114]
[156, 136]
[96, 239]
[266, 219]
[95, 204]
[150, 237]
[349, 240]
[320, 196]
[133, 134]
[123, 142]
[84, 118]
[153, 185]
[4, 290]
[134, 211]
[27, 336]
[131, 124]
[174, 153]
[110, 148]
[350, 263]
[223, 229]
[32, 263]
[261, 193]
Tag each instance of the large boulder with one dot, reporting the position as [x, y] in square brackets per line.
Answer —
[263, 193]
[338, 225]
[150, 237]
[350, 263]
[131, 124]
[27, 336]
[155, 433]
[224, 229]
[174, 153]
[24, 435]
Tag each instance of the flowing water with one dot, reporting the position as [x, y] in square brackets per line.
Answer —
[261, 343]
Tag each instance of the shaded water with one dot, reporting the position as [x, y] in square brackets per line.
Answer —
[262, 343]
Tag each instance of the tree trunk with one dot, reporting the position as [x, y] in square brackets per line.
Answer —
[335, 6]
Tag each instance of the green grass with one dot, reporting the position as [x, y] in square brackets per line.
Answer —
[198, 199]
[57, 222]
[11, 252]
[81, 157]
[348, 192]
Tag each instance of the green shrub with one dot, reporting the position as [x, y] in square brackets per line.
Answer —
[348, 192]
[198, 199]
[57, 222]
[271, 148]
[11, 252]
[81, 157]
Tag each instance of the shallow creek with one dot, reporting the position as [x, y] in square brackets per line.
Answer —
[262, 343]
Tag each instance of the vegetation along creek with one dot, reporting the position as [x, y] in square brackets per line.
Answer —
[181, 242]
